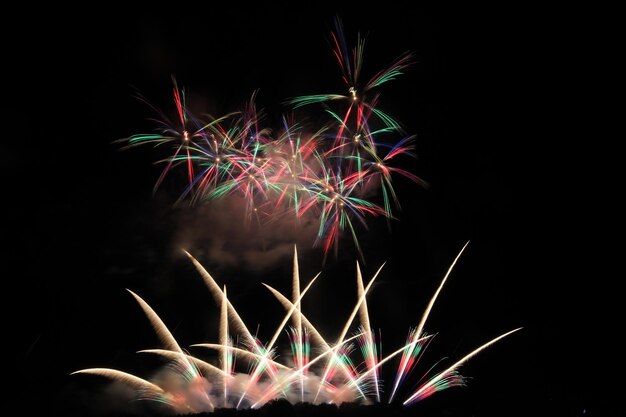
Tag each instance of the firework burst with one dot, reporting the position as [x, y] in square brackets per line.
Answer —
[330, 171]
[247, 373]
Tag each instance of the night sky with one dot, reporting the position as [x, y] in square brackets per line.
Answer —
[87, 224]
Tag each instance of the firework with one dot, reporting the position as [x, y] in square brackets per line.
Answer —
[330, 171]
[318, 371]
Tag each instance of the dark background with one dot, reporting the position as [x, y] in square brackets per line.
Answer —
[482, 99]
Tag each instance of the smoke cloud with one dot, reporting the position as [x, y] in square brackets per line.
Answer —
[222, 232]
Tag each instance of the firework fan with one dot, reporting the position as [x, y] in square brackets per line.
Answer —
[316, 371]
[331, 171]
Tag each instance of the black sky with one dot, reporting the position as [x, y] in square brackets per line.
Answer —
[88, 225]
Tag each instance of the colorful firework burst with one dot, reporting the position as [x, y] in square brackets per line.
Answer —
[330, 171]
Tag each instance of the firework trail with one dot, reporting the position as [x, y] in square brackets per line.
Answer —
[132, 380]
[300, 339]
[225, 341]
[318, 373]
[329, 171]
[413, 349]
[367, 341]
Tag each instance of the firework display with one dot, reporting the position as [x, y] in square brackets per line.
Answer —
[339, 171]
[247, 373]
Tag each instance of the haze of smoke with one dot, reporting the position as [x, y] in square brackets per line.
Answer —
[222, 233]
